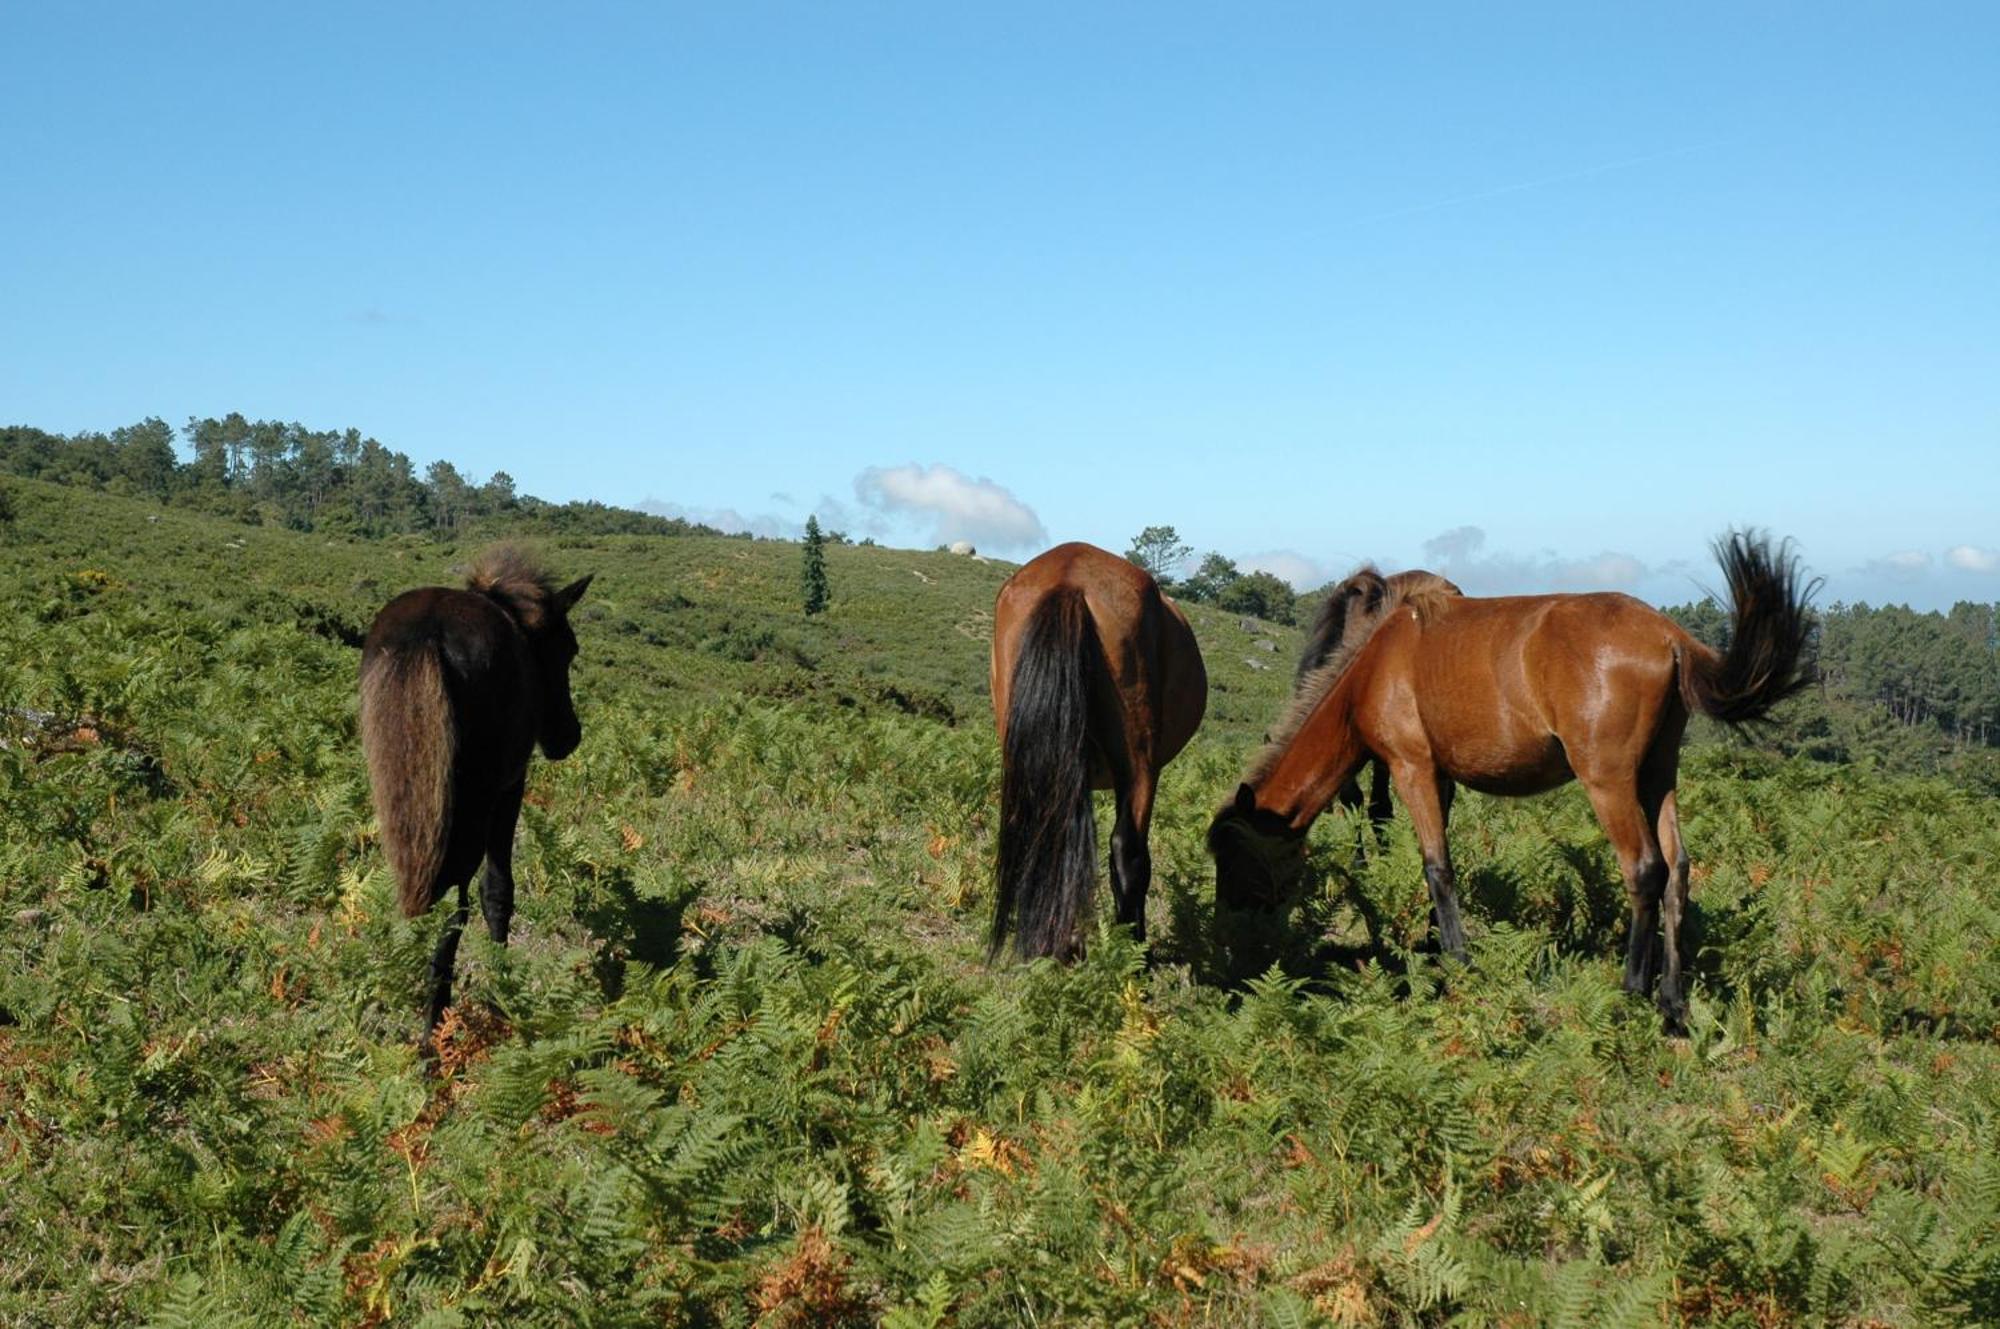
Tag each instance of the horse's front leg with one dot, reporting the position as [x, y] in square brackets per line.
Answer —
[1426, 793]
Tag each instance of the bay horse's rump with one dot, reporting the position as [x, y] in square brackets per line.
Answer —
[1097, 683]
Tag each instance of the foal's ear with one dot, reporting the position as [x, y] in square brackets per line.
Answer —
[1246, 800]
[570, 594]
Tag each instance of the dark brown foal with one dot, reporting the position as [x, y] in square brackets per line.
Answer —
[457, 687]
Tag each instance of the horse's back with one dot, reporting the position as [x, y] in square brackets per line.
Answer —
[1513, 683]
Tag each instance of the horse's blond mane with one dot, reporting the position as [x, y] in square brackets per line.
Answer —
[516, 578]
[1425, 593]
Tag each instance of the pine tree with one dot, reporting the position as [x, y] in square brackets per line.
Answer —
[815, 567]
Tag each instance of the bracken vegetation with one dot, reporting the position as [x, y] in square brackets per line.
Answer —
[744, 1063]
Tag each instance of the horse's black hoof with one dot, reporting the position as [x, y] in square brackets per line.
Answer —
[1673, 1019]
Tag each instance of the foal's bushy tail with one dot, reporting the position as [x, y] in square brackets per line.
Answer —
[1048, 837]
[1770, 623]
[407, 735]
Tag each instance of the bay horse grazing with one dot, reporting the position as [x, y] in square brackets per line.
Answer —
[457, 687]
[1097, 684]
[1515, 695]
[1346, 617]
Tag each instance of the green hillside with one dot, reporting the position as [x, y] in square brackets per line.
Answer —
[744, 1063]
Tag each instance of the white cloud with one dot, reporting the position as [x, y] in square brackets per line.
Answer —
[1902, 565]
[1460, 553]
[1971, 558]
[951, 504]
[1289, 566]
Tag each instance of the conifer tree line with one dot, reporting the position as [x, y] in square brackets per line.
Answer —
[271, 473]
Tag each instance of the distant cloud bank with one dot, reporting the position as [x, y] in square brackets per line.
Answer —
[1902, 565]
[951, 505]
[1460, 553]
[1290, 566]
[942, 503]
[725, 519]
[1971, 558]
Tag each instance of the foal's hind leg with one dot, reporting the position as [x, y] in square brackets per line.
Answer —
[1131, 857]
[496, 888]
[443, 960]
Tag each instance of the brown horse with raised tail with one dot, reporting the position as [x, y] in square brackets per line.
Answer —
[1097, 684]
[457, 688]
[1515, 695]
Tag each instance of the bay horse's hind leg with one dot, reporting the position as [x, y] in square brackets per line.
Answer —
[1671, 996]
[496, 888]
[1131, 855]
[1427, 795]
[1629, 827]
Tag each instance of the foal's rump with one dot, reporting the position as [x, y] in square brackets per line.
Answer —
[446, 723]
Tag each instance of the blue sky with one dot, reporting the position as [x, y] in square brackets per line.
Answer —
[1548, 295]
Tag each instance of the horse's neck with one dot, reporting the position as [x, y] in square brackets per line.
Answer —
[1322, 756]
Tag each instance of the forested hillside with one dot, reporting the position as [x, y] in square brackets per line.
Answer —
[745, 1062]
[1906, 691]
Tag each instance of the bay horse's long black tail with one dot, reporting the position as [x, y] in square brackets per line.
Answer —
[1770, 623]
[408, 736]
[1048, 834]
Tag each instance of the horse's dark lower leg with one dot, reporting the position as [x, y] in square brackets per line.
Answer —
[1628, 825]
[496, 888]
[1644, 881]
[443, 961]
[1443, 883]
[1427, 795]
[1131, 857]
[1381, 810]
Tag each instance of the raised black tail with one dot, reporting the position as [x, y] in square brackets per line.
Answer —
[1048, 835]
[1770, 625]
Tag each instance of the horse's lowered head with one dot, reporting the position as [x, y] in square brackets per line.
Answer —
[525, 590]
[1259, 857]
